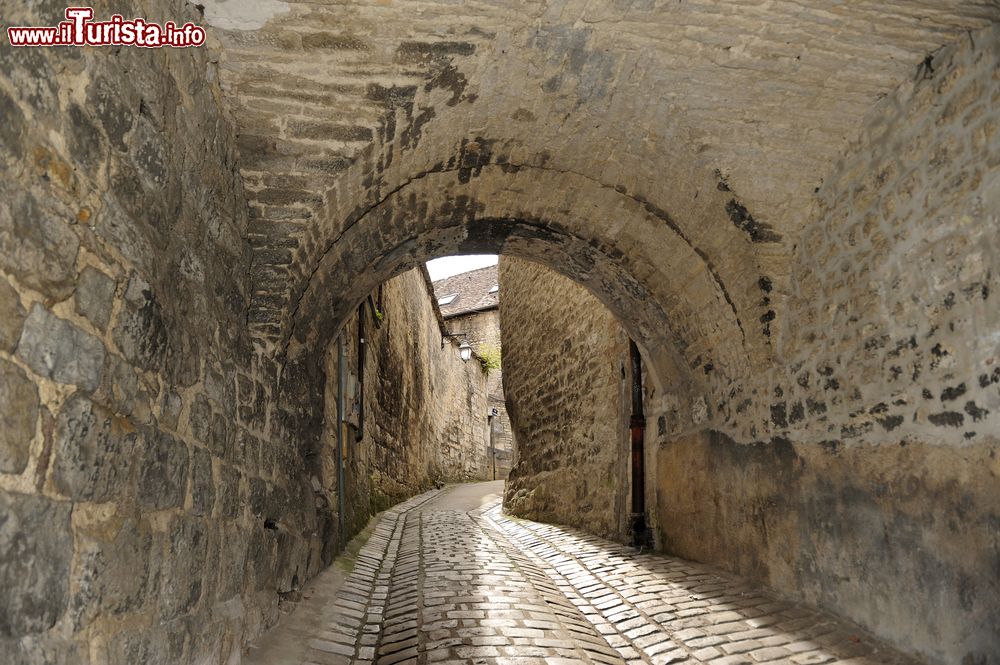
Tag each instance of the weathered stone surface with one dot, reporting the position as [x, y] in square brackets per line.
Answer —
[37, 244]
[94, 451]
[202, 482]
[164, 471]
[117, 570]
[36, 547]
[12, 316]
[230, 494]
[58, 350]
[183, 568]
[18, 415]
[11, 131]
[141, 331]
[571, 419]
[44, 649]
[94, 294]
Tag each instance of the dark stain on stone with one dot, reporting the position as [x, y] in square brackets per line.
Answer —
[939, 351]
[953, 392]
[815, 408]
[903, 344]
[744, 221]
[975, 411]
[797, 414]
[448, 77]
[723, 184]
[890, 423]
[947, 419]
[411, 135]
[832, 447]
[831, 384]
[472, 157]
[708, 367]
[986, 380]
[425, 52]
[778, 415]
[855, 431]
[523, 115]
[765, 284]
[879, 408]
[927, 394]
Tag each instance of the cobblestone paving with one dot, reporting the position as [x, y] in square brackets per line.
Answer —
[448, 586]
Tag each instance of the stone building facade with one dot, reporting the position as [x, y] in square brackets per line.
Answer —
[470, 305]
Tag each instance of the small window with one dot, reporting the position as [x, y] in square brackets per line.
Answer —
[496, 287]
[447, 300]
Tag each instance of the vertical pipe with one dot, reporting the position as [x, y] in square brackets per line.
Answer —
[637, 426]
[361, 372]
[493, 445]
[341, 388]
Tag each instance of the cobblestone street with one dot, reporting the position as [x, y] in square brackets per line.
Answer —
[446, 578]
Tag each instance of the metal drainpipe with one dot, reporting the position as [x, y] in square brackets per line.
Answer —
[361, 373]
[341, 388]
[640, 535]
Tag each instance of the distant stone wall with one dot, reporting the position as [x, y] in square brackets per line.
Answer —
[566, 377]
[425, 409]
[482, 330]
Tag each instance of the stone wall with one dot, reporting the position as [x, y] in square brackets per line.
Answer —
[424, 413]
[860, 472]
[152, 505]
[482, 330]
[566, 376]
[158, 494]
[877, 495]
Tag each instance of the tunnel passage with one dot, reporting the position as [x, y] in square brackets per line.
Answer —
[791, 208]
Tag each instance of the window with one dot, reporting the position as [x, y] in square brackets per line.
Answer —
[496, 287]
[447, 300]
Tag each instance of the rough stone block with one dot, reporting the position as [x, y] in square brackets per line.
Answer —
[163, 474]
[117, 569]
[11, 131]
[94, 295]
[11, 316]
[18, 414]
[93, 451]
[184, 566]
[37, 246]
[58, 350]
[36, 547]
[141, 331]
[202, 483]
[228, 492]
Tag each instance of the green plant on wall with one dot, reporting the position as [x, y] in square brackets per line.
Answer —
[489, 357]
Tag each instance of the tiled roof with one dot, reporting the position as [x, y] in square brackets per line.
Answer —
[473, 291]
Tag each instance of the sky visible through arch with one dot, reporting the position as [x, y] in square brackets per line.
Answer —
[453, 265]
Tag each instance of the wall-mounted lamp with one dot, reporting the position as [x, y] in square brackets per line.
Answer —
[465, 350]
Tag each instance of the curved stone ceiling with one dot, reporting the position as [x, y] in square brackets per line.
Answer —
[718, 121]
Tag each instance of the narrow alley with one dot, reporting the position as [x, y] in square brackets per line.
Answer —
[445, 577]
[500, 331]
